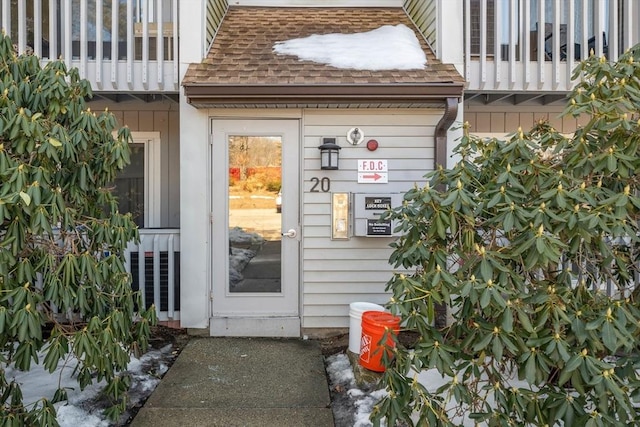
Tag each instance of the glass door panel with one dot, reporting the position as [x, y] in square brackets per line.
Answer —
[255, 179]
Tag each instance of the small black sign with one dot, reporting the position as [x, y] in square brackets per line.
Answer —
[377, 203]
[377, 227]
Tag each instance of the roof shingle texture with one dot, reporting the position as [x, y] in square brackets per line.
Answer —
[242, 52]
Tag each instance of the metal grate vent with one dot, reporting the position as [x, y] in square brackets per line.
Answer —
[149, 278]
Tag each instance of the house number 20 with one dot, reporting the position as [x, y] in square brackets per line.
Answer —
[320, 184]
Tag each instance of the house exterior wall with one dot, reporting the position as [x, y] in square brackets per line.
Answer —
[336, 273]
[505, 119]
[333, 273]
[163, 117]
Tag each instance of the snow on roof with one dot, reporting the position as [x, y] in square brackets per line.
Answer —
[390, 47]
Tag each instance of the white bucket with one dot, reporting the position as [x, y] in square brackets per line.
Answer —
[355, 322]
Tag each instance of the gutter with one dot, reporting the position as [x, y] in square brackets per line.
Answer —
[449, 116]
[210, 95]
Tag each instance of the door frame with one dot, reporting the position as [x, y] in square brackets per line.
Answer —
[255, 314]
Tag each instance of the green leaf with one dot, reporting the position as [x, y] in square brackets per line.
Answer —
[485, 298]
[25, 198]
[530, 369]
[579, 329]
[450, 198]
[508, 222]
[531, 260]
[483, 343]
[55, 142]
[609, 336]
[560, 200]
[507, 320]
[494, 200]
[524, 320]
[562, 350]
[497, 349]
[60, 395]
[52, 357]
[486, 270]
[572, 364]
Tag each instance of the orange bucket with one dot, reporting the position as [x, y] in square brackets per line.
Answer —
[374, 326]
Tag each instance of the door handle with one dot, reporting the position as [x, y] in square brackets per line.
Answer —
[291, 233]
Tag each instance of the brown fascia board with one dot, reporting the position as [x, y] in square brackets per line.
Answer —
[207, 94]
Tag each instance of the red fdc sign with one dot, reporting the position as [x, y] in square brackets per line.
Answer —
[372, 171]
[372, 166]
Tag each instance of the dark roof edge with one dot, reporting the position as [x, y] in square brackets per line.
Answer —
[381, 93]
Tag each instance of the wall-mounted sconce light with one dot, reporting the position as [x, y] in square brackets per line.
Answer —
[355, 136]
[329, 154]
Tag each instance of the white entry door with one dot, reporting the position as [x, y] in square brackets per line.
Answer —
[256, 228]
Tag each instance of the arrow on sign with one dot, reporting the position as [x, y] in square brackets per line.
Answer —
[375, 176]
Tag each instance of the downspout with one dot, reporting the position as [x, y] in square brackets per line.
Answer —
[449, 116]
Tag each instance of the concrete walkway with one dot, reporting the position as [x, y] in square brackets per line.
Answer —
[242, 382]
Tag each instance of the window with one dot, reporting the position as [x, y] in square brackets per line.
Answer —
[138, 185]
[476, 32]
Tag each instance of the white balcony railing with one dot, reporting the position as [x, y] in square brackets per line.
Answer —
[118, 45]
[533, 45]
[155, 266]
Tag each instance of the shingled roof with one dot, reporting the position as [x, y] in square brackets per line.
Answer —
[241, 68]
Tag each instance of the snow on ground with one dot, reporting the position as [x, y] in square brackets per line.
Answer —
[386, 48]
[84, 407]
[354, 407]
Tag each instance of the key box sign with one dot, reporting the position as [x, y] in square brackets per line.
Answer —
[367, 209]
[377, 203]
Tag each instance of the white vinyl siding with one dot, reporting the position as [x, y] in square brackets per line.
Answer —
[337, 273]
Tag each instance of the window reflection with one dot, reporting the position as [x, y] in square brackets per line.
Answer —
[129, 186]
[254, 214]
